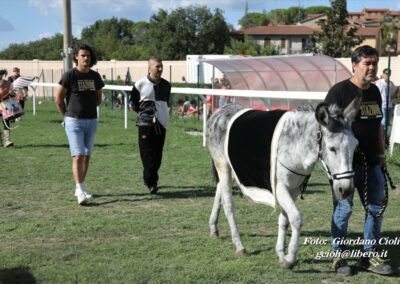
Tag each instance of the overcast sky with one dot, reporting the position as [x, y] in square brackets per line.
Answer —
[22, 21]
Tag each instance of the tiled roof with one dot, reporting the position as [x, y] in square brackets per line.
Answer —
[375, 10]
[368, 31]
[280, 30]
[301, 30]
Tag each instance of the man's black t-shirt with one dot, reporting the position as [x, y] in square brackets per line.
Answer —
[367, 124]
[81, 92]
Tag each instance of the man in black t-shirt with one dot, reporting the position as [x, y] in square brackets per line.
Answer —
[368, 130]
[77, 99]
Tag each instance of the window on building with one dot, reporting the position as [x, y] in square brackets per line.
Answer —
[283, 43]
[303, 44]
[267, 41]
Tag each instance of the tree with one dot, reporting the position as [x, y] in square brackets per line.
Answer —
[253, 20]
[288, 16]
[245, 47]
[316, 10]
[44, 49]
[277, 16]
[337, 37]
[389, 37]
[249, 47]
[294, 15]
[193, 30]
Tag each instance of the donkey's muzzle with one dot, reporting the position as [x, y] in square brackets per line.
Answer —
[343, 187]
[344, 175]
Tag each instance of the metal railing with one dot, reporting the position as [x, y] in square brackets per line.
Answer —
[202, 93]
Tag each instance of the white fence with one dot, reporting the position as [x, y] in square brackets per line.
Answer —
[202, 93]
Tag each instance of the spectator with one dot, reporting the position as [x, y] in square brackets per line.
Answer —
[5, 89]
[192, 108]
[180, 111]
[186, 104]
[20, 84]
[382, 84]
[81, 88]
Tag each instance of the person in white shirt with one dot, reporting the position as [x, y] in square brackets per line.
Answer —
[382, 84]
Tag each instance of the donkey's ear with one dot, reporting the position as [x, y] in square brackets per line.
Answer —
[351, 111]
[322, 114]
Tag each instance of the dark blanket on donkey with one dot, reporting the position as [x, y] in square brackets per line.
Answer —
[249, 146]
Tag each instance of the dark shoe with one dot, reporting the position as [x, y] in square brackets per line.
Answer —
[341, 267]
[376, 265]
[153, 189]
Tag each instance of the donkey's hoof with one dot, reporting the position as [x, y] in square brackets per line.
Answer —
[285, 264]
[241, 252]
[214, 235]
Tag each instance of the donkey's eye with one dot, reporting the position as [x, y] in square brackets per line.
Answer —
[332, 149]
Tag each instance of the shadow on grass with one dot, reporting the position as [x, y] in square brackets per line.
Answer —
[187, 191]
[65, 145]
[41, 146]
[109, 145]
[196, 192]
[124, 198]
[17, 275]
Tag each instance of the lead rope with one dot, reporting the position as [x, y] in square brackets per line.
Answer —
[385, 177]
[305, 182]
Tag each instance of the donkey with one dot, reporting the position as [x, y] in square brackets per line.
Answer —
[305, 137]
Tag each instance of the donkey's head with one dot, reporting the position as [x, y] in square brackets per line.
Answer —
[337, 145]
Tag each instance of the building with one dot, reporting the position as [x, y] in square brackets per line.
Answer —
[291, 39]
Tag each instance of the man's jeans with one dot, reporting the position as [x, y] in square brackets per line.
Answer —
[343, 209]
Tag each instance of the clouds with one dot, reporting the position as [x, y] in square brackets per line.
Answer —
[155, 5]
[44, 18]
[6, 26]
[46, 6]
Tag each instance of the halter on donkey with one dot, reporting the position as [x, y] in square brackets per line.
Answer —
[305, 137]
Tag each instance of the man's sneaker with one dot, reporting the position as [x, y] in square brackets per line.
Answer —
[82, 199]
[341, 267]
[88, 195]
[82, 196]
[377, 265]
[153, 189]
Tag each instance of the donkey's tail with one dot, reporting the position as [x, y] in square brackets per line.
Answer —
[214, 172]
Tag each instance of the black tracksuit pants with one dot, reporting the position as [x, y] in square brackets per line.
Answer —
[151, 144]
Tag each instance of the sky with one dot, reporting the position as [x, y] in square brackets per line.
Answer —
[22, 21]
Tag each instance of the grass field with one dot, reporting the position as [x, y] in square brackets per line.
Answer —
[126, 235]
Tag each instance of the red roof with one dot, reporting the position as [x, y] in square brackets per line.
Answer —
[280, 30]
[368, 31]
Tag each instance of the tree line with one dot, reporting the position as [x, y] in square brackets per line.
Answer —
[193, 30]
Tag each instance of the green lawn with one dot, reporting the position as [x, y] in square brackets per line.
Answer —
[126, 235]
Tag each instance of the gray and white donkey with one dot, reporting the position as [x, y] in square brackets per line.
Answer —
[306, 136]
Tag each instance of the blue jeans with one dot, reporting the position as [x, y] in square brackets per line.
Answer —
[342, 209]
[81, 133]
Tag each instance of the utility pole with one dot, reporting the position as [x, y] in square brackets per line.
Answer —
[67, 51]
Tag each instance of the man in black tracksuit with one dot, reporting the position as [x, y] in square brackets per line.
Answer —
[150, 99]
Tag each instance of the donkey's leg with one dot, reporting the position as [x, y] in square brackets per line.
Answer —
[213, 221]
[283, 224]
[229, 208]
[287, 202]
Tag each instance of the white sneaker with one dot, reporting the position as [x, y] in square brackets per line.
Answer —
[88, 195]
[82, 199]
